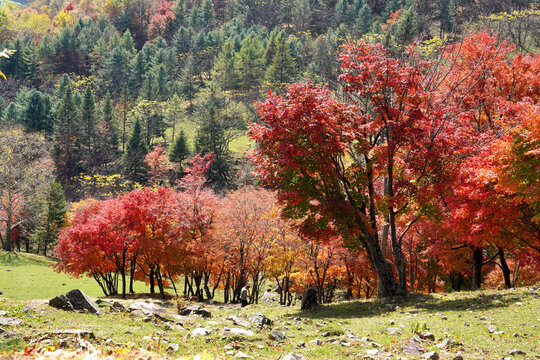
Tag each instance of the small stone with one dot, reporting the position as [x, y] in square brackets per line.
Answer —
[432, 355]
[373, 352]
[413, 347]
[458, 357]
[260, 320]
[375, 345]
[492, 328]
[444, 318]
[393, 331]
[173, 347]
[241, 355]
[446, 343]
[326, 334]
[195, 310]
[301, 344]
[201, 332]
[238, 321]
[515, 335]
[10, 321]
[294, 356]
[277, 336]
[516, 352]
[426, 336]
[238, 331]
[316, 342]
[392, 322]
[118, 306]
[344, 343]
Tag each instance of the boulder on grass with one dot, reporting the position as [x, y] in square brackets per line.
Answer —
[61, 302]
[81, 301]
[75, 300]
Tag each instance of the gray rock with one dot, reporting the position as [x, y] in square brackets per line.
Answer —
[118, 306]
[195, 310]
[516, 352]
[61, 302]
[458, 357]
[10, 321]
[393, 331]
[238, 321]
[492, 328]
[413, 347]
[201, 332]
[80, 301]
[260, 320]
[294, 356]
[87, 334]
[326, 334]
[446, 343]
[146, 308]
[277, 336]
[241, 355]
[426, 336]
[432, 355]
[173, 347]
[316, 342]
[238, 331]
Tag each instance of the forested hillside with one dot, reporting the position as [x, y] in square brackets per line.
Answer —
[105, 97]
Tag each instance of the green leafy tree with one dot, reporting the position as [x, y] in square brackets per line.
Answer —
[250, 64]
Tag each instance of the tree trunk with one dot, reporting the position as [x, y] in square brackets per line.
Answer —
[505, 269]
[477, 268]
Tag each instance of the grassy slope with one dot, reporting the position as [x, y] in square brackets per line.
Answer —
[29, 276]
[513, 312]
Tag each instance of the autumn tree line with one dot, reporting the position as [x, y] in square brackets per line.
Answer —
[392, 169]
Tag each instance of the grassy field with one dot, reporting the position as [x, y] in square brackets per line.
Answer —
[30, 276]
[348, 330]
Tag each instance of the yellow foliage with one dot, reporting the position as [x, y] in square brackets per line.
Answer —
[64, 18]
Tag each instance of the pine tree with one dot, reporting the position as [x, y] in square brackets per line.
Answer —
[364, 20]
[127, 43]
[53, 217]
[188, 85]
[124, 105]
[391, 7]
[37, 115]
[31, 61]
[207, 14]
[67, 148]
[115, 69]
[88, 129]
[225, 71]
[63, 83]
[107, 140]
[136, 150]
[250, 64]
[405, 29]
[180, 149]
[341, 12]
[161, 83]
[446, 15]
[282, 70]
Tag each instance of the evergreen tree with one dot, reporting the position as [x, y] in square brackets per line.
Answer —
[225, 71]
[446, 15]
[107, 139]
[88, 129]
[63, 83]
[207, 14]
[127, 43]
[115, 69]
[282, 70]
[53, 218]
[31, 61]
[405, 29]
[67, 134]
[37, 114]
[212, 137]
[364, 20]
[391, 7]
[179, 150]
[188, 84]
[124, 105]
[136, 150]
[250, 64]
[341, 12]
[162, 83]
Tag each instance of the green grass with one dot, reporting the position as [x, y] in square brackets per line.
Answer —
[366, 318]
[30, 276]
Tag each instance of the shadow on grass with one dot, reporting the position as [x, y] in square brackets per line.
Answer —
[12, 258]
[419, 302]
